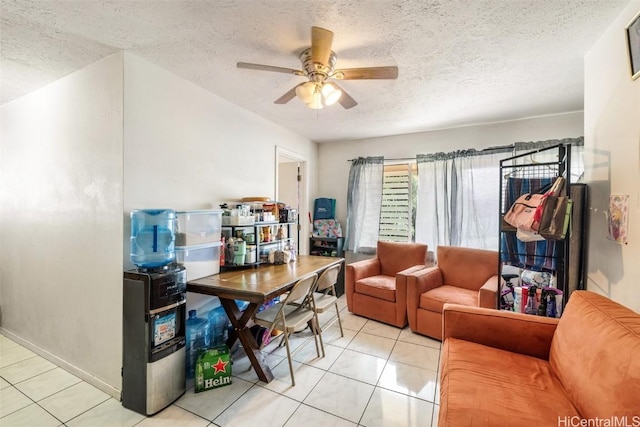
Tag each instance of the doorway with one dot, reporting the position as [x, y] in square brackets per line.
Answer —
[291, 189]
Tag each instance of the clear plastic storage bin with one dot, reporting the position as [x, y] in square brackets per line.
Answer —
[200, 261]
[198, 227]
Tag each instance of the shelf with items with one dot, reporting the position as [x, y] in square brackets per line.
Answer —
[257, 210]
[326, 246]
[533, 270]
[331, 247]
[260, 238]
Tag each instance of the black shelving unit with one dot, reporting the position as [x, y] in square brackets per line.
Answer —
[329, 246]
[526, 173]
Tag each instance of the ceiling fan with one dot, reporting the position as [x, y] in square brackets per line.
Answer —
[318, 62]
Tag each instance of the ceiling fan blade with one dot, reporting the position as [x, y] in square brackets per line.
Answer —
[287, 96]
[345, 99]
[366, 73]
[321, 41]
[261, 67]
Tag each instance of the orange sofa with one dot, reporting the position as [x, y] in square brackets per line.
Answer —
[463, 276]
[501, 368]
[377, 288]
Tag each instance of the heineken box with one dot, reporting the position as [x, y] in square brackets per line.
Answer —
[213, 369]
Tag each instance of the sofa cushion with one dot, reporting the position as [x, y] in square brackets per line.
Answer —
[484, 386]
[434, 299]
[595, 353]
[381, 287]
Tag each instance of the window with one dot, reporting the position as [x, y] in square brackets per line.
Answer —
[397, 213]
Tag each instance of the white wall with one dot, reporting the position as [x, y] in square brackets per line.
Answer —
[334, 164]
[186, 148]
[612, 142]
[77, 156]
[61, 221]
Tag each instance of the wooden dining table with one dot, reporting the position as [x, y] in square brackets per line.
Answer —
[256, 286]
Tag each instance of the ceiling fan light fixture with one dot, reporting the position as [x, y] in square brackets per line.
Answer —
[305, 92]
[316, 101]
[319, 66]
[330, 94]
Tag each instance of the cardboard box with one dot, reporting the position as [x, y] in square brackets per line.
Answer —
[213, 369]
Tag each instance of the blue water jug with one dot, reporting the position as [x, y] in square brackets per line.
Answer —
[197, 338]
[218, 325]
[152, 237]
[242, 305]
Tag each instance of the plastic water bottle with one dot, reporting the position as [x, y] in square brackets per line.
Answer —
[218, 324]
[242, 305]
[531, 307]
[551, 305]
[197, 337]
[152, 237]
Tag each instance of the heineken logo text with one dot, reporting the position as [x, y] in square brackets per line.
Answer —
[216, 382]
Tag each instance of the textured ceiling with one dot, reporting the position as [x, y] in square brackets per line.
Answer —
[460, 62]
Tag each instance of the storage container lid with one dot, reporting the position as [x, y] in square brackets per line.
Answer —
[200, 212]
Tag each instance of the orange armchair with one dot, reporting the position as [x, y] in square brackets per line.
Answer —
[463, 276]
[377, 288]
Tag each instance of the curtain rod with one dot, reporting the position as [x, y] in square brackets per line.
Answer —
[571, 141]
[484, 150]
[391, 160]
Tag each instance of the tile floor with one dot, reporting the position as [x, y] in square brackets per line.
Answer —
[376, 375]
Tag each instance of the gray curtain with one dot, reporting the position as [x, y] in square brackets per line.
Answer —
[458, 199]
[458, 193]
[364, 200]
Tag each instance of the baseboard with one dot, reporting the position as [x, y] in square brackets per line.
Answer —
[96, 382]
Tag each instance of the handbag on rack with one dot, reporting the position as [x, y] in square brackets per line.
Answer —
[527, 211]
[521, 213]
[557, 218]
[546, 209]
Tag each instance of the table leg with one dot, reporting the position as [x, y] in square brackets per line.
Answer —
[240, 331]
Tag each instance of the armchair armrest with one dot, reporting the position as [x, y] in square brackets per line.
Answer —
[514, 332]
[356, 271]
[424, 280]
[488, 293]
[364, 268]
[418, 282]
[412, 269]
[401, 280]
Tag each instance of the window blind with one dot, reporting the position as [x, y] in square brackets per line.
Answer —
[396, 214]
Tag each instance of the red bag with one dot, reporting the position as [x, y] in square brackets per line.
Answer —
[545, 209]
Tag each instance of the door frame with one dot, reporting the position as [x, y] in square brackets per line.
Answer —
[303, 192]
